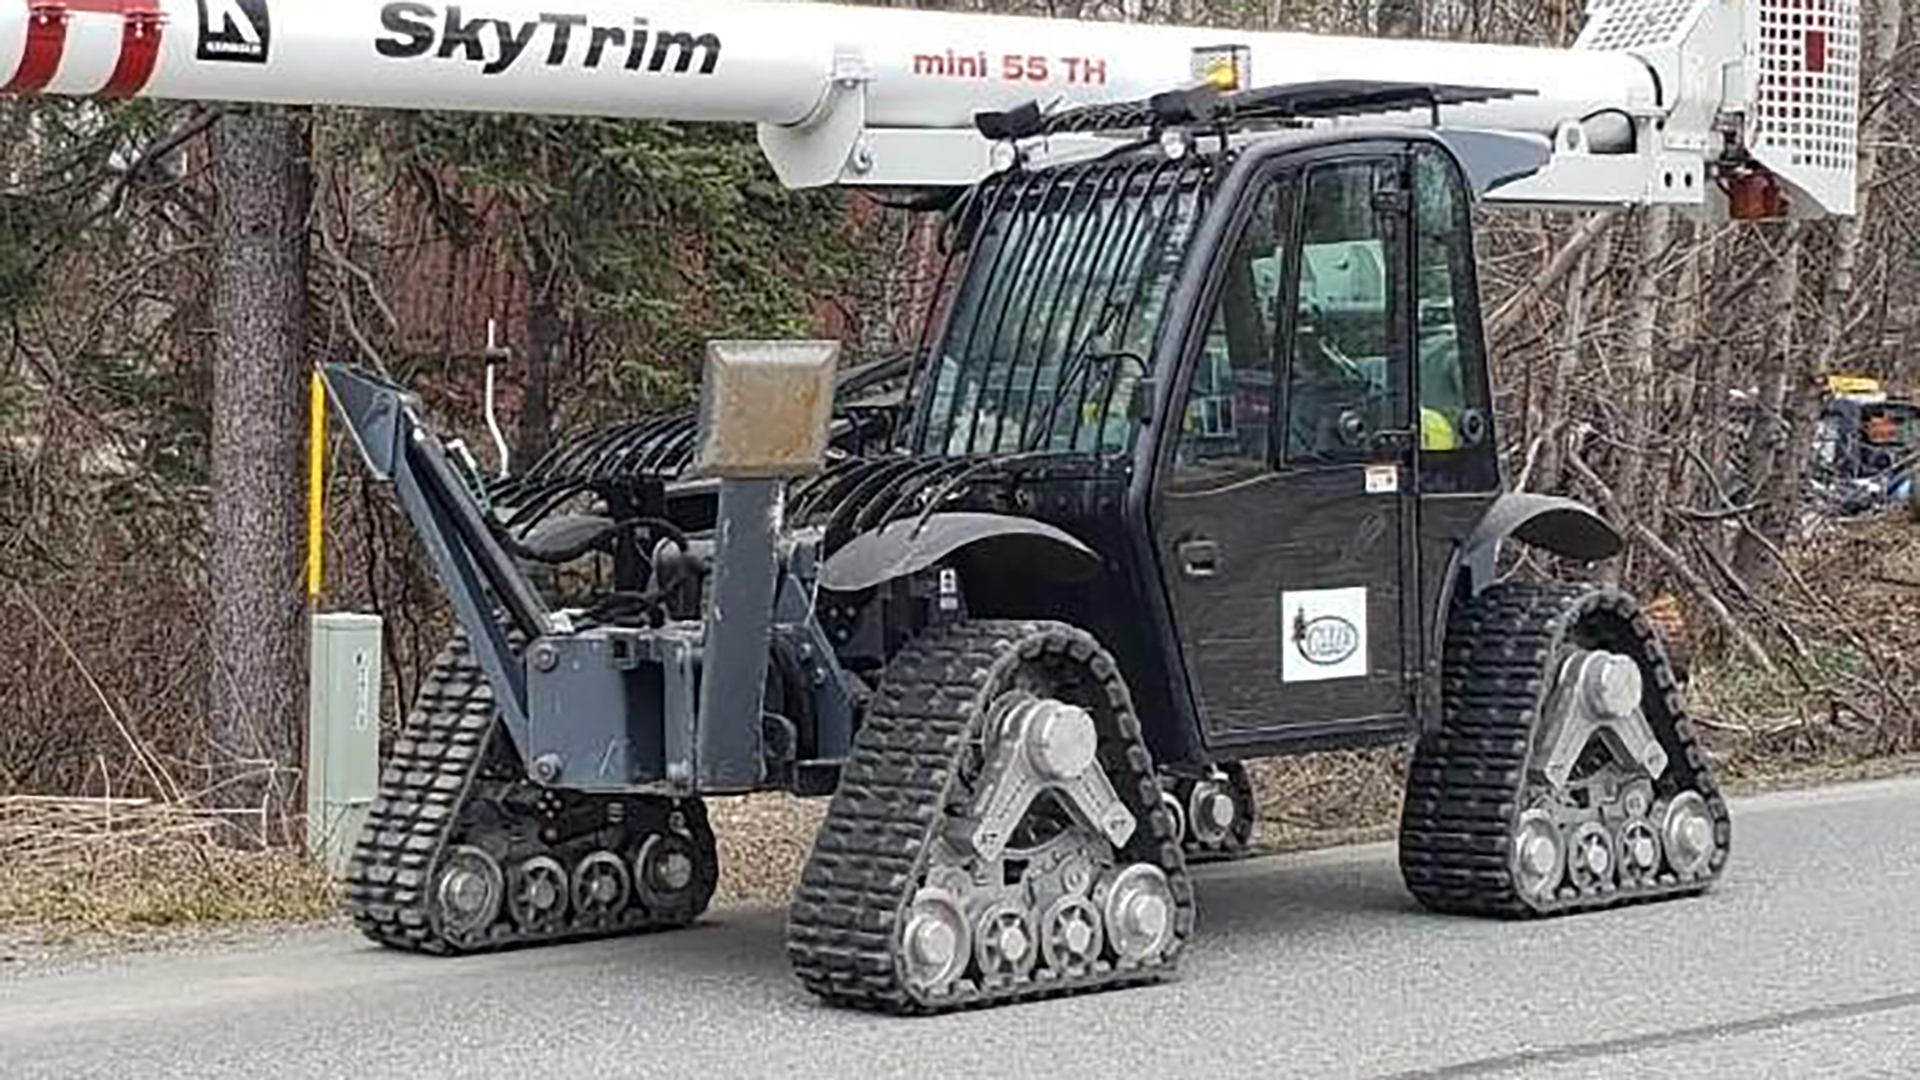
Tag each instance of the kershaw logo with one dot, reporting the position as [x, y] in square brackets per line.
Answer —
[418, 30]
[1325, 641]
[235, 30]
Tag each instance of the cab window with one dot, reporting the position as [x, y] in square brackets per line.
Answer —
[1456, 415]
[1224, 429]
[1346, 375]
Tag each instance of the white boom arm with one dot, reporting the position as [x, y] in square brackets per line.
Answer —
[1670, 101]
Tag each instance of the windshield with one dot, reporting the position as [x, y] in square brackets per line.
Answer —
[1053, 329]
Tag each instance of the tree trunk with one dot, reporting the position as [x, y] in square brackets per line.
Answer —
[1773, 431]
[1644, 390]
[1675, 483]
[1554, 408]
[1400, 18]
[256, 700]
[1885, 48]
[545, 333]
[1807, 379]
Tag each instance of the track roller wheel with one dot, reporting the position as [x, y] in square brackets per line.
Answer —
[601, 885]
[1072, 935]
[1216, 813]
[469, 893]
[537, 891]
[677, 869]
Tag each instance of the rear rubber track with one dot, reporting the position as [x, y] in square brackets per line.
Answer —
[1470, 780]
[899, 786]
[454, 780]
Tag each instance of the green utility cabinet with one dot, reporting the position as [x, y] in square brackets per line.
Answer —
[343, 736]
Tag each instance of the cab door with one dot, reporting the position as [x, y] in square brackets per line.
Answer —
[1283, 512]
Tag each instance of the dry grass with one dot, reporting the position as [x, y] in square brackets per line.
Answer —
[78, 867]
[1845, 631]
[159, 869]
[1318, 800]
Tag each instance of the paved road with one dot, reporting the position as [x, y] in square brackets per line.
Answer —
[1804, 963]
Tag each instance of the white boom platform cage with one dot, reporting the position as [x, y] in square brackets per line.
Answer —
[1747, 107]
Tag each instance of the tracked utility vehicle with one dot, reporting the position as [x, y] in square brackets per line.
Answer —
[1198, 465]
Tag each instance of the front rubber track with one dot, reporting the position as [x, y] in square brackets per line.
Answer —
[900, 782]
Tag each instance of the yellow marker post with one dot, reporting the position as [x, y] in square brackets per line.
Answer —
[316, 485]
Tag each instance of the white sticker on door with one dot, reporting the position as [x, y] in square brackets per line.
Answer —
[1323, 635]
[1383, 479]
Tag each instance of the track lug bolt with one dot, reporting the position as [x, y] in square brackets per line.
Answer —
[1597, 860]
[676, 871]
[1014, 944]
[464, 890]
[1696, 835]
[1219, 809]
[1539, 855]
[1079, 936]
[1061, 741]
[934, 943]
[1147, 916]
[1614, 685]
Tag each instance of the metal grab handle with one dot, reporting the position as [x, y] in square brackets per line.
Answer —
[1199, 558]
[496, 355]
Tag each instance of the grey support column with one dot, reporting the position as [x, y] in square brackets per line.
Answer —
[765, 407]
[739, 621]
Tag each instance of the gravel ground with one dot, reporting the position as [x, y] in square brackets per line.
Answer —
[763, 844]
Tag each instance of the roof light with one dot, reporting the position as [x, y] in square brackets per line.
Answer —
[1226, 69]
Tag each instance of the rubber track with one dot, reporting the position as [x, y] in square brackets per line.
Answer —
[872, 851]
[426, 790]
[1468, 784]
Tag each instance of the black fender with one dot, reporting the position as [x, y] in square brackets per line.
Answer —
[909, 546]
[1548, 522]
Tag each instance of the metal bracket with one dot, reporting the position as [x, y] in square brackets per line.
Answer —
[1599, 695]
[1041, 746]
[470, 562]
[818, 149]
[795, 619]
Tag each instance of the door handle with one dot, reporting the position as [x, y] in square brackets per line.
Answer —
[1198, 558]
[1397, 443]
